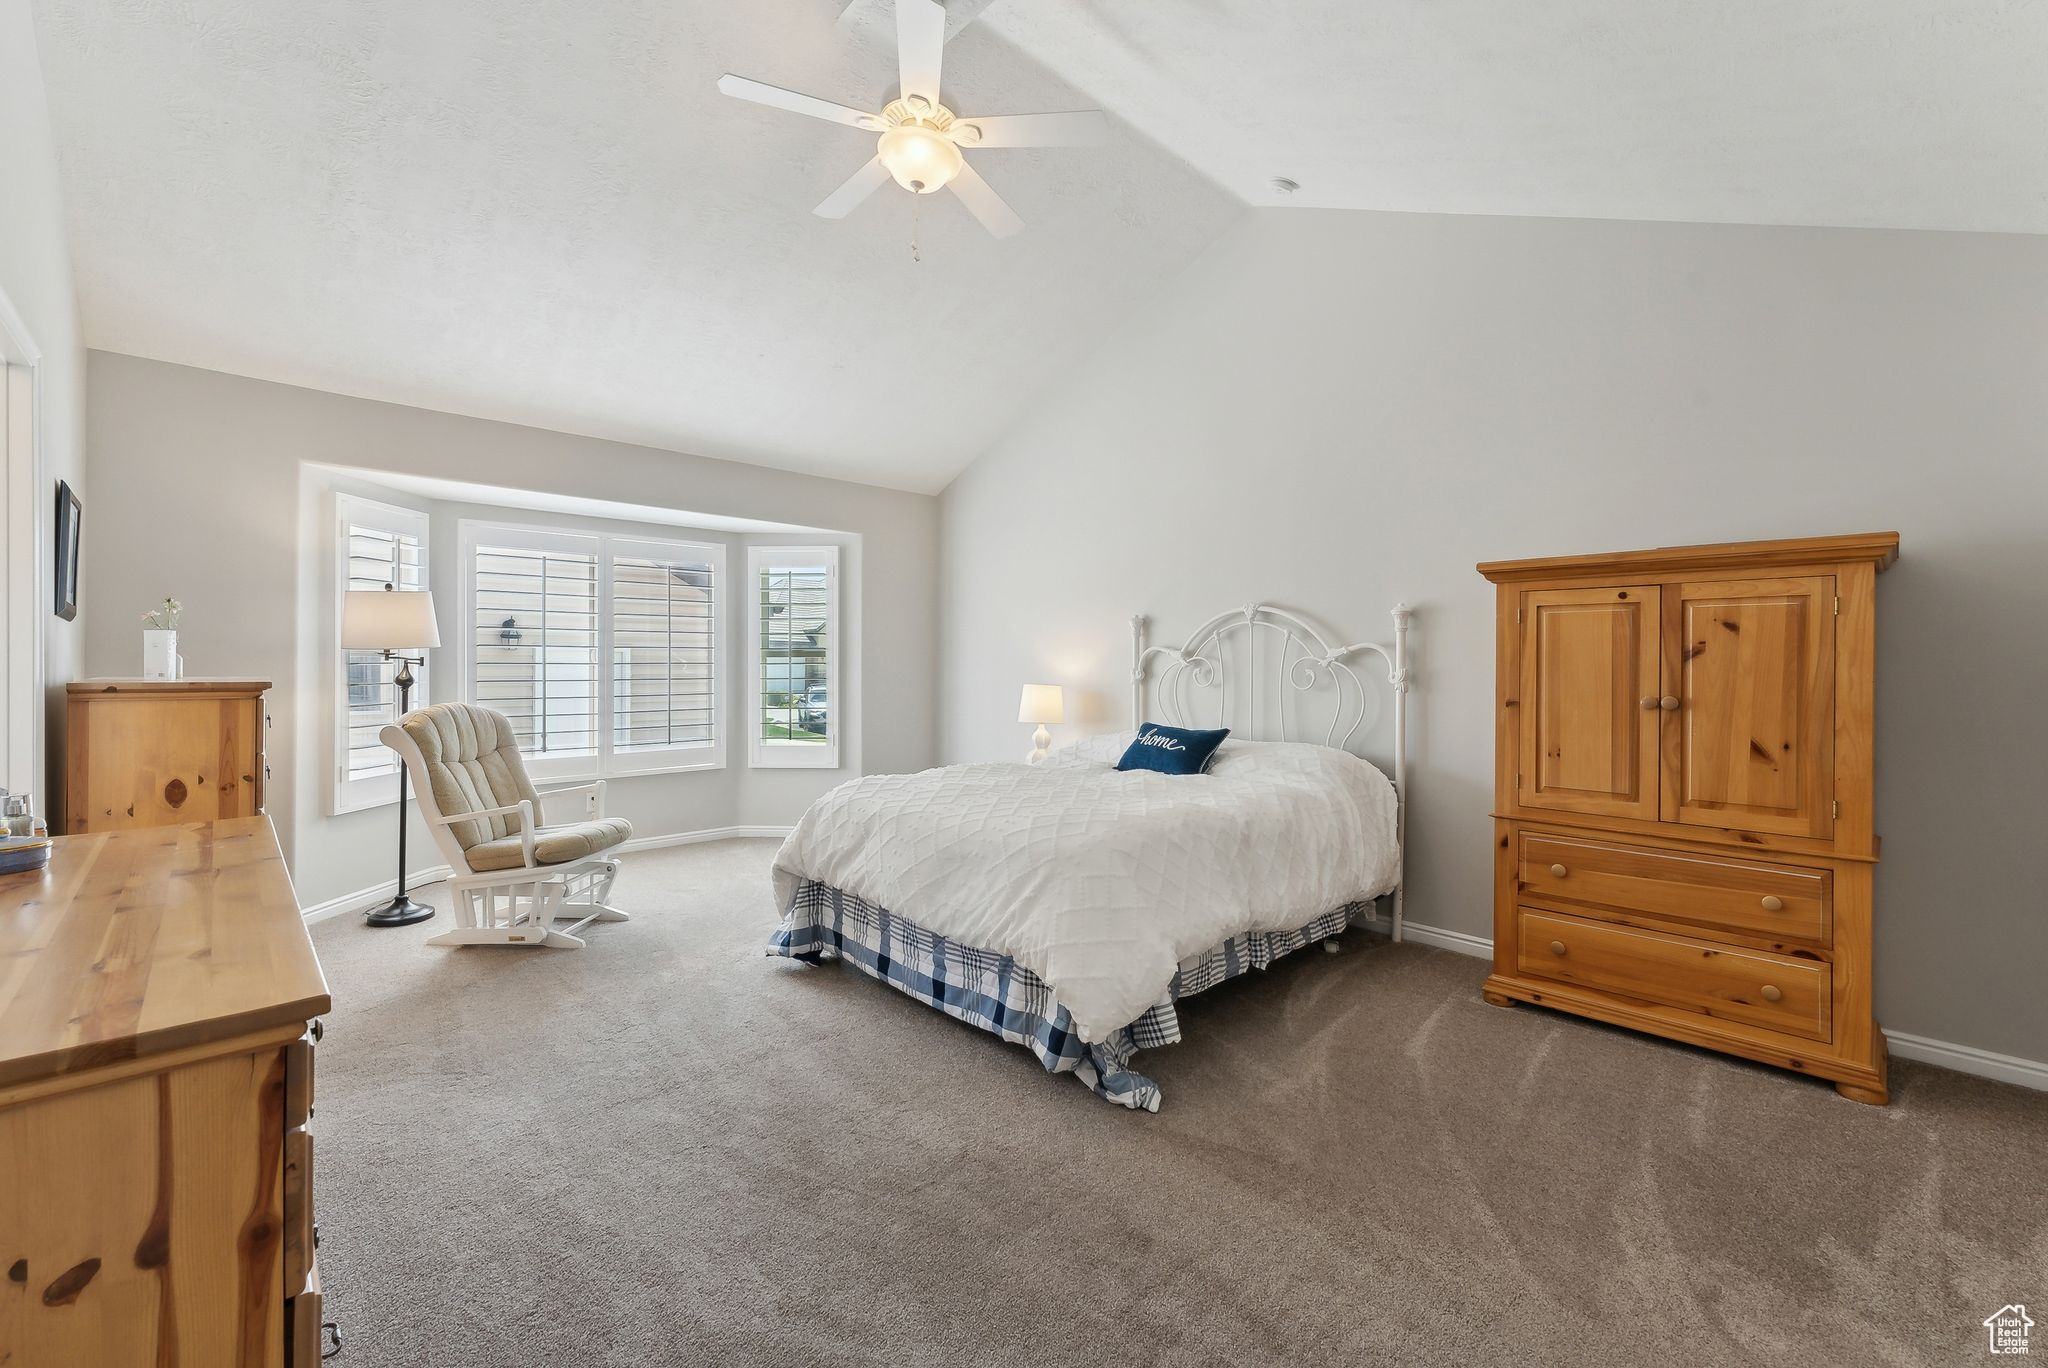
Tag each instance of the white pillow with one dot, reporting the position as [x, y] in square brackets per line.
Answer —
[1090, 751]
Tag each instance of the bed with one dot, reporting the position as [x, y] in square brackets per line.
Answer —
[1067, 906]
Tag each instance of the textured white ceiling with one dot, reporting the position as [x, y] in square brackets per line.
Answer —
[1860, 113]
[545, 212]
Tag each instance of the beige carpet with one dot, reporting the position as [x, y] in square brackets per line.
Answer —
[667, 1149]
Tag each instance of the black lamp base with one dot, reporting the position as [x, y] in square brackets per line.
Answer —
[400, 911]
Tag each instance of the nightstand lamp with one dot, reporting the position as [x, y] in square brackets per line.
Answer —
[1041, 703]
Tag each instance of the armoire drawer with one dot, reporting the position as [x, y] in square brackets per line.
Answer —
[1776, 992]
[1779, 901]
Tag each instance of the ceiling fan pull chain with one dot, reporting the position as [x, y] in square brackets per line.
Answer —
[915, 218]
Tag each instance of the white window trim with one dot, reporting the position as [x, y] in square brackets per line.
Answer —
[603, 763]
[358, 795]
[761, 752]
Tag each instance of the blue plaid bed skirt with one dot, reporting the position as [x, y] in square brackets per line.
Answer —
[999, 995]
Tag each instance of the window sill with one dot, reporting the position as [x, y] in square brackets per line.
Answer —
[793, 760]
[545, 779]
[683, 767]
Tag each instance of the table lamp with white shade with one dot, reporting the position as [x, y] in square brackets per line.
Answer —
[394, 622]
[1041, 703]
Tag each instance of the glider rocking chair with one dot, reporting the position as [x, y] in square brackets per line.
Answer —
[516, 882]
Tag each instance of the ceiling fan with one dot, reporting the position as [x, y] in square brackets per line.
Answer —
[920, 139]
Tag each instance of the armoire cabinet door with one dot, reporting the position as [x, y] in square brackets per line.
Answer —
[1589, 704]
[1753, 665]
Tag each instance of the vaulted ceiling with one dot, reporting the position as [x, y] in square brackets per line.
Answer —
[544, 211]
[1848, 113]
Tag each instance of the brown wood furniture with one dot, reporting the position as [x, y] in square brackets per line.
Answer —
[158, 996]
[145, 753]
[1682, 796]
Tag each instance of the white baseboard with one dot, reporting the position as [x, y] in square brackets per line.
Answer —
[1479, 947]
[363, 899]
[2028, 1073]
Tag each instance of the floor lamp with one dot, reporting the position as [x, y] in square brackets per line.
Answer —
[393, 622]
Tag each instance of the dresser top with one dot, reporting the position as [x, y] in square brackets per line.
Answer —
[1716, 557]
[166, 686]
[133, 943]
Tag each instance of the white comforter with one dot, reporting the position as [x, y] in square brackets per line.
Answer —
[1101, 882]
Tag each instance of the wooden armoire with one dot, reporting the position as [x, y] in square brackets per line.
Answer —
[1682, 796]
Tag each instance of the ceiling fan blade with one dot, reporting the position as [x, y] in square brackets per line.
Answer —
[760, 92]
[985, 204]
[1076, 128]
[858, 187]
[920, 44]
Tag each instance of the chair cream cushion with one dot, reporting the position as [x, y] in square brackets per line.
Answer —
[551, 844]
[473, 765]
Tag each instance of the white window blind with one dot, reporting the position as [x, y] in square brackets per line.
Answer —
[602, 650]
[377, 544]
[534, 649]
[793, 632]
[664, 621]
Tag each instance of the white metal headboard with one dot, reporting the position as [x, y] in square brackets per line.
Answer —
[1302, 663]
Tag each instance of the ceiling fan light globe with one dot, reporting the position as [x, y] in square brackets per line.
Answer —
[923, 160]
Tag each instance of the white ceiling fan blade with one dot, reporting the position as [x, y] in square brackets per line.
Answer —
[760, 92]
[920, 44]
[985, 204]
[858, 187]
[1076, 128]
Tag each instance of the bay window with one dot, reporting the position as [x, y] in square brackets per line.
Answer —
[602, 650]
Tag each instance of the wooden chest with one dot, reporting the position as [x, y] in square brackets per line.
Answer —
[145, 753]
[158, 1005]
[1682, 796]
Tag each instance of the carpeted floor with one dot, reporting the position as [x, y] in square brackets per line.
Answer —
[668, 1149]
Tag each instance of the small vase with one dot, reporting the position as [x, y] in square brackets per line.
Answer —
[160, 653]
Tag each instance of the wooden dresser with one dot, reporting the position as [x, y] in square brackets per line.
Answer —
[145, 753]
[1682, 796]
[157, 1002]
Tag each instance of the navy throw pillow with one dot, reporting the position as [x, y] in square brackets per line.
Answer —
[1171, 750]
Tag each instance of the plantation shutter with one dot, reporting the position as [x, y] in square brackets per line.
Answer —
[534, 641]
[376, 555]
[796, 715]
[664, 681]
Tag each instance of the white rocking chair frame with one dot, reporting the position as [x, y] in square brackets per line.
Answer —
[528, 905]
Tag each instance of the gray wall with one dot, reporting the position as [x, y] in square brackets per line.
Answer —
[214, 507]
[1337, 411]
[35, 272]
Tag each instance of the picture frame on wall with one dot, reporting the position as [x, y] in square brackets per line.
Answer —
[70, 518]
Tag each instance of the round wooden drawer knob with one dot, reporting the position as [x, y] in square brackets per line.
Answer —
[1774, 904]
[1668, 703]
[1557, 948]
[1650, 704]
[1558, 871]
[1771, 993]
